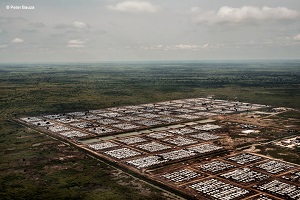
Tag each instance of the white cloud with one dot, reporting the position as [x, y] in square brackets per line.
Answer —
[17, 40]
[1, 30]
[3, 46]
[76, 43]
[244, 14]
[80, 25]
[181, 47]
[74, 26]
[186, 46]
[191, 47]
[297, 37]
[135, 6]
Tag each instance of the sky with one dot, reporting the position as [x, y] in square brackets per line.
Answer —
[148, 30]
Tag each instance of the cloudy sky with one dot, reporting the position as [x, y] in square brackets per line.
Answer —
[142, 30]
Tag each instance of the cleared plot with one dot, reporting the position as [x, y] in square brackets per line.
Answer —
[102, 145]
[177, 154]
[275, 167]
[216, 166]
[145, 162]
[133, 108]
[183, 175]
[244, 158]
[180, 141]
[219, 190]
[204, 148]
[153, 147]
[132, 140]
[207, 127]
[122, 153]
[182, 131]
[288, 191]
[73, 134]
[76, 114]
[31, 119]
[58, 128]
[160, 135]
[205, 136]
[245, 175]
[98, 111]
[205, 114]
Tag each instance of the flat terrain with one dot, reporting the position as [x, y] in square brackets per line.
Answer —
[193, 147]
[36, 166]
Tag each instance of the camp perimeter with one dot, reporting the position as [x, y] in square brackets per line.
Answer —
[184, 146]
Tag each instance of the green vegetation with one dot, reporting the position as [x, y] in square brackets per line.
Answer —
[38, 89]
[286, 154]
[34, 166]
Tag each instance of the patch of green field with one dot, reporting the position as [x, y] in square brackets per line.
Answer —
[290, 114]
[286, 154]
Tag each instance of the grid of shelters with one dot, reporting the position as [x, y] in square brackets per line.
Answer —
[139, 116]
[216, 166]
[101, 130]
[145, 162]
[274, 166]
[159, 135]
[73, 134]
[180, 176]
[102, 145]
[244, 158]
[182, 131]
[177, 154]
[153, 147]
[160, 145]
[122, 153]
[180, 141]
[132, 140]
[288, 191]
[204, 148]
[205, 136]
[58, 128]
[245, 175]
[217, 189]
[207, 127]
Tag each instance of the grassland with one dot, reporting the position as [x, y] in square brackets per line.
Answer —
[34, 166]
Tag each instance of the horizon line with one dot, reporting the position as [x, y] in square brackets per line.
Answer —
[153, 61]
